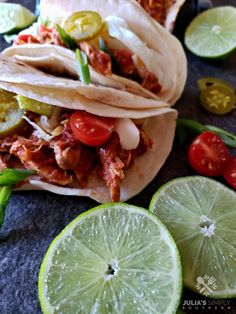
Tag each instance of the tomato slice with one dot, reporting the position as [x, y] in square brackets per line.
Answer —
[230, 172]
[26, 39]
[208, 154]
[83, 25]
[90, 129]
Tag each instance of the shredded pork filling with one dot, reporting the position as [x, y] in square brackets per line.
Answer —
[157, 9]
[65, 159]
[102, 62]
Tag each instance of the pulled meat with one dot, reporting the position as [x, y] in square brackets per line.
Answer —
[67, 148]
[65, 158]
[84, 166]
[3, 161]
[6, 143]
[124, 57]
[71, 154]
[157, 9]
[98, 59]
[115, 160]
[149, 81]
[33, 156]
[135, 71]
[113, 167]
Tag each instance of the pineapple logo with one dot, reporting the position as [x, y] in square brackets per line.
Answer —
[206, 284]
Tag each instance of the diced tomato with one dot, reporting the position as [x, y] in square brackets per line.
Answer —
[230, 172]
[208, 154]
[90, 129]
[25, 39]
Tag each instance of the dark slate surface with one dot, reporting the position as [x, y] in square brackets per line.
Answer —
[33, 219]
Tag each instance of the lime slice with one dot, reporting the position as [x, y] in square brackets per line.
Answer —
[200, 213]
[115, 258]
[212, 33]
[14, 17]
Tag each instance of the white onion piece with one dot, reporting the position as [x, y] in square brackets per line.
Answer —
[128, 133]
[40, 133]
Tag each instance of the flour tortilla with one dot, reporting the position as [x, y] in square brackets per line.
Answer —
[169, 53]
[61, 61]
[15, 72]
[163, 11]
[161, 130]
[172, 13]
[159, 124]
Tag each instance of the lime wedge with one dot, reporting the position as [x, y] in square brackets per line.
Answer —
[115, 258]
[200, 213]
[212, 33]
[14, 17]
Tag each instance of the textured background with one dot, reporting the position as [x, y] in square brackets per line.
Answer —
[33, 219]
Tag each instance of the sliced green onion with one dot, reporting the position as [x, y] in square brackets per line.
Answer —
[13, 176]
[5, 193]
[183, 124]
[116, 67]
[69, 41]
[82, 66]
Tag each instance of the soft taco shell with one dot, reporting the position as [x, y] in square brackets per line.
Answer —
[163, 11]
[16, 72]
[61, 61]
[161, 130]
[163, 45]
[159, 125]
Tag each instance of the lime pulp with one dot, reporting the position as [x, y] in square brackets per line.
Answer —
[14, 17]
[212, 33]
[115, 258]
[200, 213]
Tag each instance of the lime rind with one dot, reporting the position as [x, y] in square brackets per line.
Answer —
[191, 208]
[212, 33]
[131, 211]
[14, 17]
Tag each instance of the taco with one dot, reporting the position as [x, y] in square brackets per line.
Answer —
[76, 145]
[163, 11]
[125, 48]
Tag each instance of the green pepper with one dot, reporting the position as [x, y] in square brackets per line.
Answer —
[8, 178]
[206, 82]
[11, 116]
[5, 193]
[218, 99]
[33, 105]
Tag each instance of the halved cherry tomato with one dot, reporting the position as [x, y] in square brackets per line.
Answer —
[230, 172]
[90, 129]
[83, 25]
[208, 154]
[25, 39]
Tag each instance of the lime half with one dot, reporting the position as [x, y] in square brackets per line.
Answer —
[14, 17]
[212, 33]
[115, 258]
[200, 213]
